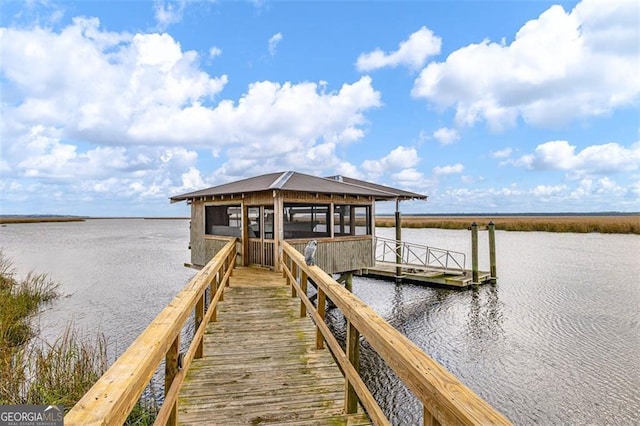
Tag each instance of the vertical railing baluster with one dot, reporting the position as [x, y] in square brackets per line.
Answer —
[428, 419]
[219, 283]
[303, 287]
[294, 272]
[199, 314]
[213, 290]
[170, 371]
[321, 309]
[353, 354]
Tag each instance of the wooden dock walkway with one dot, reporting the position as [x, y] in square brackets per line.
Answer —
[259, 356]
[260, 363]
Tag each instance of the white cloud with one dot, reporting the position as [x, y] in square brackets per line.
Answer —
[134, 100]
[446, 136]
[411, 178]
[468, 179]
[273, 43]
[168, 12]
[412, 53]
[548, 190]
[398, 159]
[102, 87]
[191, 180]
[560, 67]
[503, 153]
[448, 170]
[41, 153]
[273, 119]
[597, 189]
[595, 159]
[122, 89]
[214, 51]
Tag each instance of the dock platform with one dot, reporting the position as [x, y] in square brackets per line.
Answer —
[431, 277]
[260, 363]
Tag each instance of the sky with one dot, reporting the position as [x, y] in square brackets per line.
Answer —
[108, 108]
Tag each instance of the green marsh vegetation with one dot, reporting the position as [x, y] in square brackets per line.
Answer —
[623, 224]
[33, 371]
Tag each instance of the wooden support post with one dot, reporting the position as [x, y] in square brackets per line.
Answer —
[221, 272]
[348, 281]
[245, 234]
[428, 419]
[286, 266]
[199, 314]
[398, 243]
[303, 286]
[492, 250]
[213, 289]
[474, 252]
[321, 310]
[294, 272]
[170, 371]
[353, 354]
[286, 260]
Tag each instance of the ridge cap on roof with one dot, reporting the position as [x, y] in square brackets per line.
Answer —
[358, 185]
[281, 180]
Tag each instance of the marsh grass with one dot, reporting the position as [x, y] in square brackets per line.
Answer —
[626, 224]
[35, 372]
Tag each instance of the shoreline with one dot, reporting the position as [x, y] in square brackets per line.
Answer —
[618, 223]
[37, 219]
[605, 224]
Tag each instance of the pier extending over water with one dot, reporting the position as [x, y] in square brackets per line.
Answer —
[215, 295]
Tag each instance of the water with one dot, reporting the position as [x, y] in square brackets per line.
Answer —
[556, 341]
[116, 275]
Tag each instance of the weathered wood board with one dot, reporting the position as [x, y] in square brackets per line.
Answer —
[260, 365]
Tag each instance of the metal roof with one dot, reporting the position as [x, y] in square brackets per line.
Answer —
[300, 182]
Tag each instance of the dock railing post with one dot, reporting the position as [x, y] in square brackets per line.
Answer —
[170, 371]
[398, 243]
[474, 252]
[322, 303]
[353, 354]
[492, 250]
[213, 290]
[199, 317]
[294, 272]
[303, 287]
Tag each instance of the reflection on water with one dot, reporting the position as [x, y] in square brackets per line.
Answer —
[556, 341]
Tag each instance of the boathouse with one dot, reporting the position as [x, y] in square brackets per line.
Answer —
[262, 211]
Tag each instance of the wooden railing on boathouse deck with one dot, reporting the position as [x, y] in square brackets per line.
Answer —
[114, 395]
[445, 399]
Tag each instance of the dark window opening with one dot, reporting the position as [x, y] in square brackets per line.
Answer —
[351, 220]
[268, 222]
[223, 220]
[362, 220]
[254, 222]
[306, 220]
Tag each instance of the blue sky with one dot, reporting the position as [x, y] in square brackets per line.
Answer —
[109, 108]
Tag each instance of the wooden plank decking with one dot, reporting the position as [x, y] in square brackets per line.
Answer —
[260, 365]
[426, 276]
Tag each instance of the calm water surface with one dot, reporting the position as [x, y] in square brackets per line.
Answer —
[556, 341]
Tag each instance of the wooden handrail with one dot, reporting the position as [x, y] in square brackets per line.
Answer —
[445, 399]
[114, 395]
